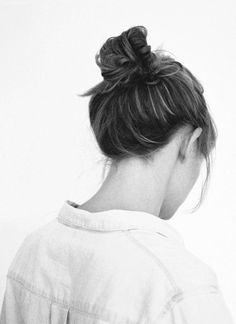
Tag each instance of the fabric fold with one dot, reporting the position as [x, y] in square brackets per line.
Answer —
[58, 314]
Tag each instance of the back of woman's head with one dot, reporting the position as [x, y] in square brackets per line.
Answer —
[144, 98]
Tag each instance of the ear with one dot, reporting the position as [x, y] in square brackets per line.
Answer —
[189, 141]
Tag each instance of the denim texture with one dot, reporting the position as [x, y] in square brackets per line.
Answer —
[115, 266]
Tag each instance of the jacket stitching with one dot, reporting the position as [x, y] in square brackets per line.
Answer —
[178, 293]
[40, 293]
[175, 287]
[209, 289]
[93, 227]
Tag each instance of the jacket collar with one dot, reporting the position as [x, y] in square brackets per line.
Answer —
[115, 220]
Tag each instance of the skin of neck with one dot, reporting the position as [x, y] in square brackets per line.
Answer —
[158, 187]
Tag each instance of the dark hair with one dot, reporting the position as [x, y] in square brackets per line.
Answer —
[144, 98]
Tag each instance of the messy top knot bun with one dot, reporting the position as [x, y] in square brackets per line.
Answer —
[144, 98]
[127, 57]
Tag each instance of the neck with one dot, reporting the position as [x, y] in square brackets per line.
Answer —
[134, 185]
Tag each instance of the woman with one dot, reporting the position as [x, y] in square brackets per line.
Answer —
[114, 258]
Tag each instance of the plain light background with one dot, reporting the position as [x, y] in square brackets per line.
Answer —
[47, 151]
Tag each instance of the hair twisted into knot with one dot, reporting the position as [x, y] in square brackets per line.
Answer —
[127, 58]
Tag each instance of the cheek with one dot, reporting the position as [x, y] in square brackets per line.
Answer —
[197, 169]
[193, 175]
[179, 186]
[184, 182]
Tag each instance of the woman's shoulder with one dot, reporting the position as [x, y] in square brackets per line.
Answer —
[28, 249]
[184, 269]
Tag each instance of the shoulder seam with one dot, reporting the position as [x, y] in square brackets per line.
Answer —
[176, 289]
[205, 289]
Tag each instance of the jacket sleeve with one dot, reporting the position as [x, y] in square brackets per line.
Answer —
[205, 308]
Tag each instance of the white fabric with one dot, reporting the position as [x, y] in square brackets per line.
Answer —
[115, 266]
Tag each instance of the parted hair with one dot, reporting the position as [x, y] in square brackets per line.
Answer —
[144, 98]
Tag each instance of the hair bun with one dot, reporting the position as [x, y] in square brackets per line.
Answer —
[127, 57]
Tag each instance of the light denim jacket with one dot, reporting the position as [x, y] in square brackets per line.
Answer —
[116, 267]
